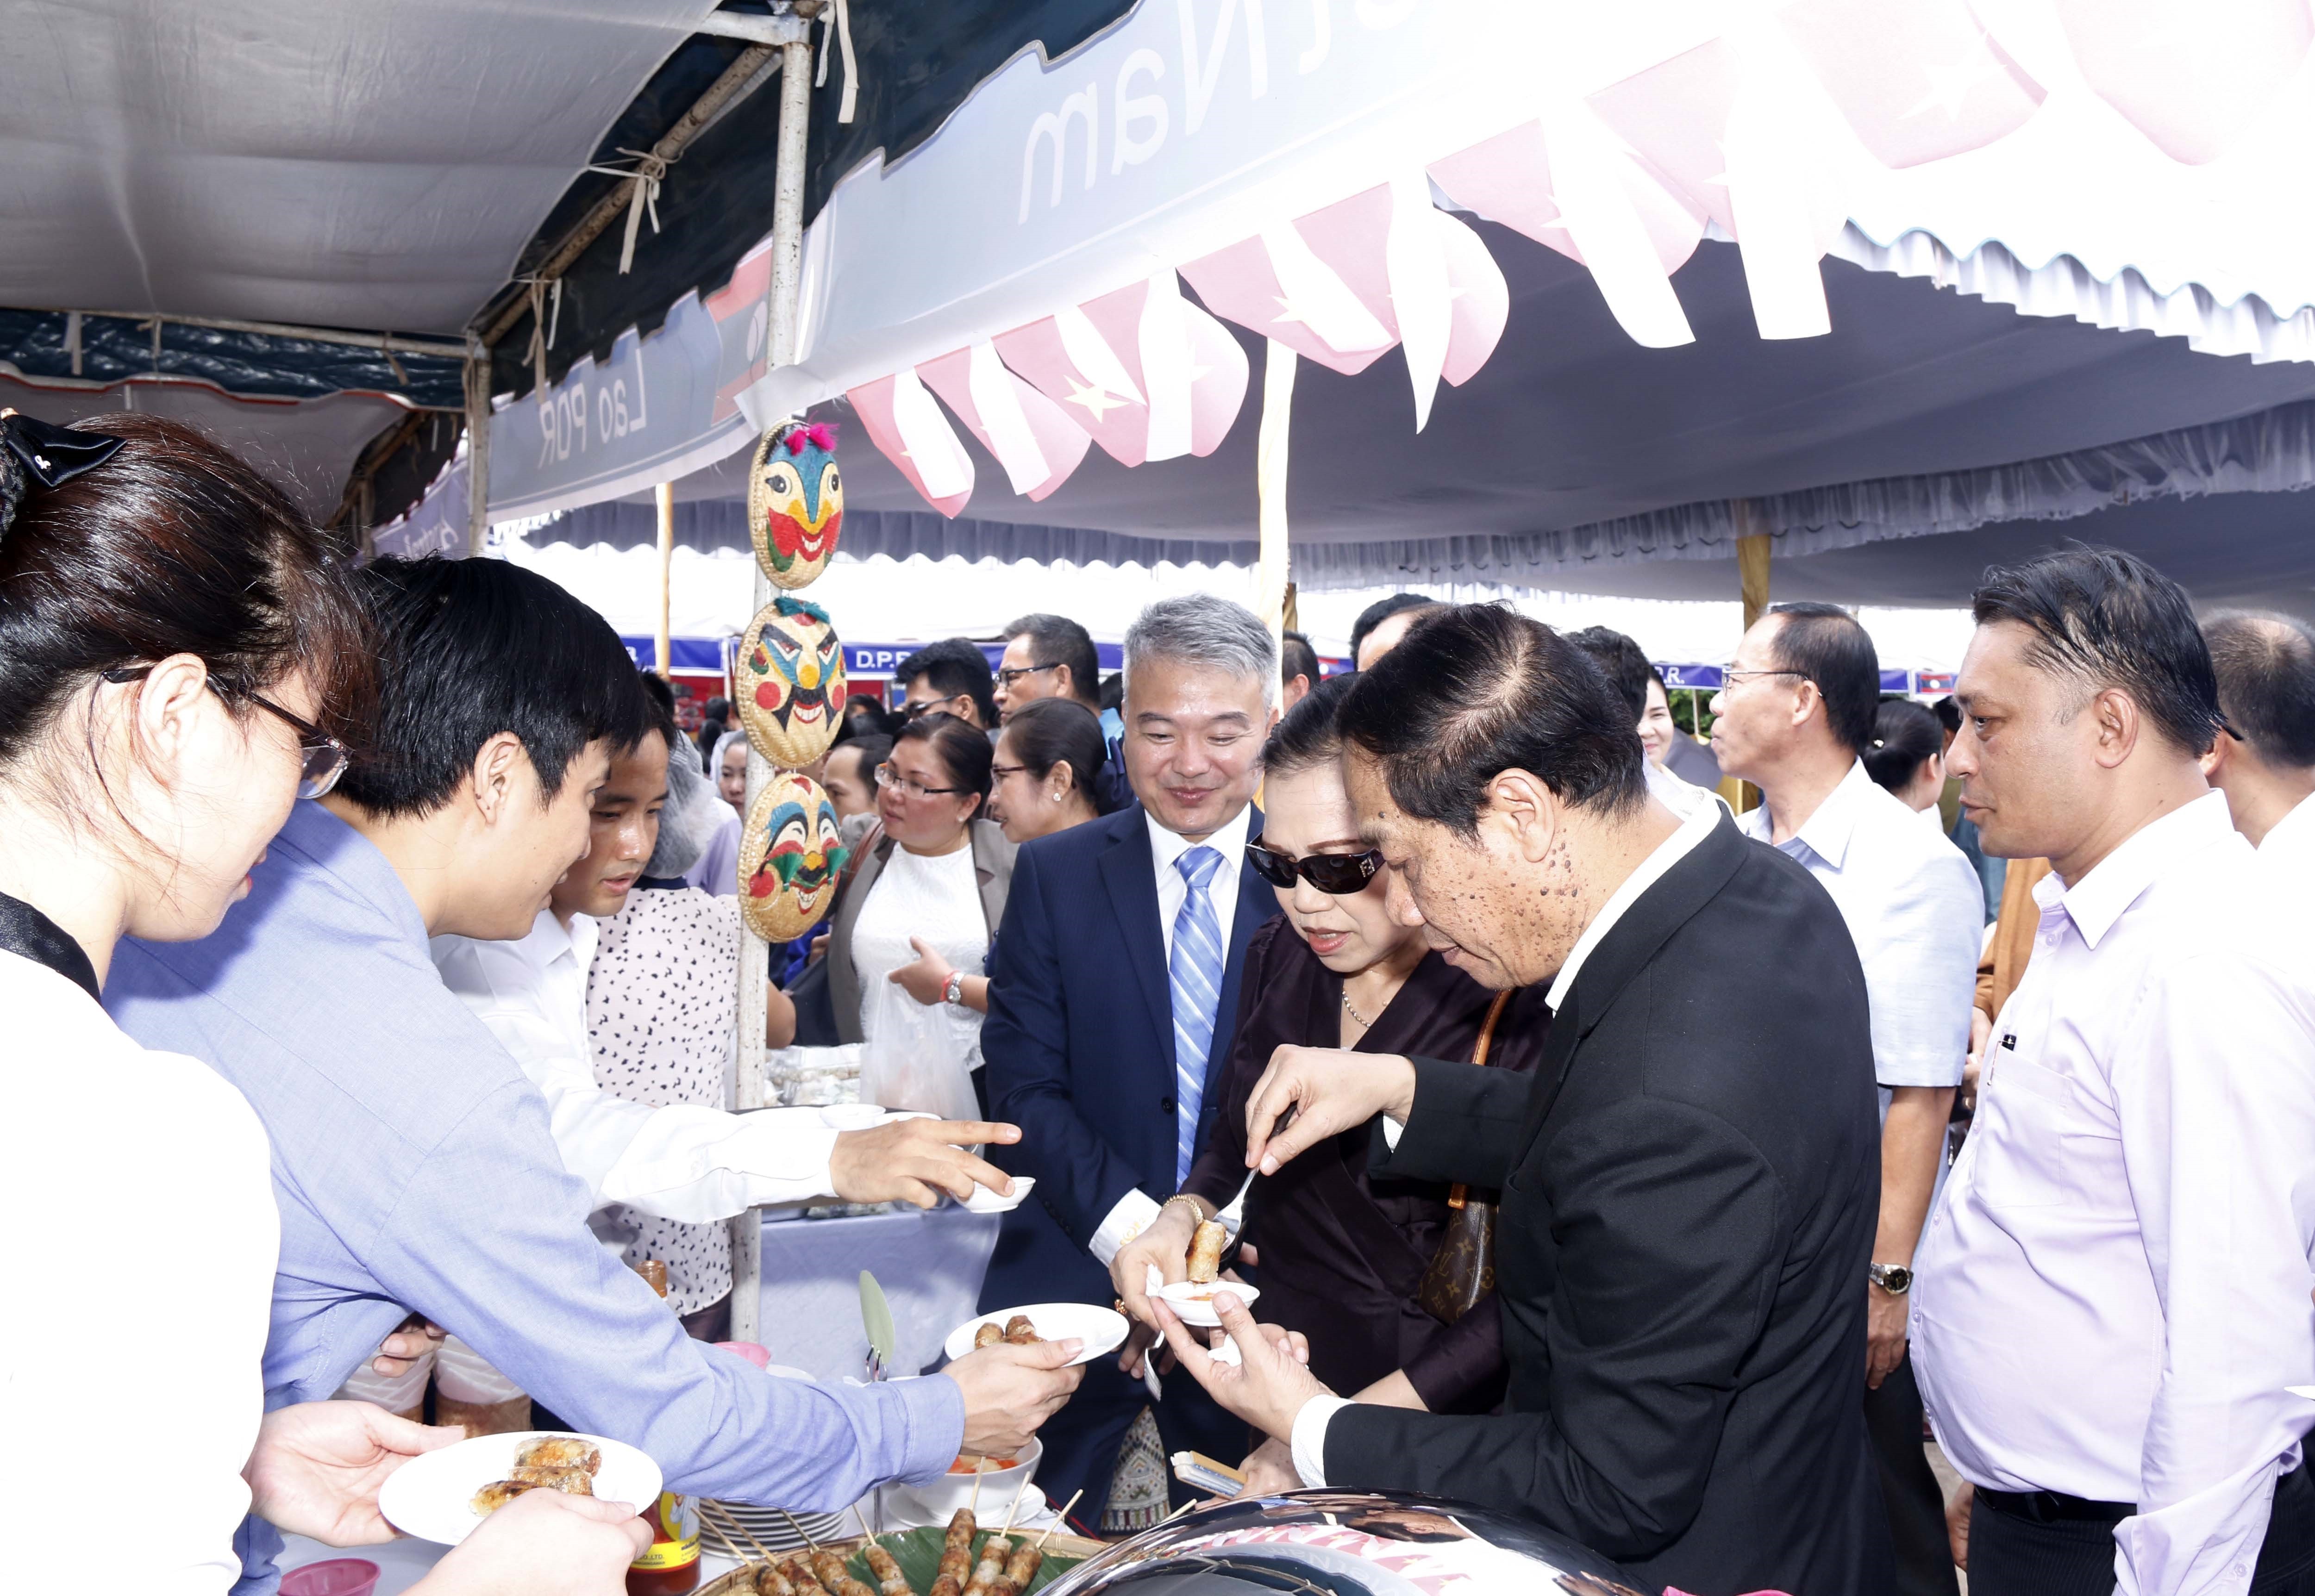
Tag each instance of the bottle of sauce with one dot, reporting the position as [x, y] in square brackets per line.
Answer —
[669, 1565]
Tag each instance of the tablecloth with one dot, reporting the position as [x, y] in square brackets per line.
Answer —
[930, 1264]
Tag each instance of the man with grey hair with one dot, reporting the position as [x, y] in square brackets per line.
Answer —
[1112, 998]
[2263, 759]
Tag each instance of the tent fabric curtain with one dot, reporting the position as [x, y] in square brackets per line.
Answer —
[2064, 286]
[2272, 451]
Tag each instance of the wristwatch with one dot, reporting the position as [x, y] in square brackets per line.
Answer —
[1893, 1278]
[954, 992]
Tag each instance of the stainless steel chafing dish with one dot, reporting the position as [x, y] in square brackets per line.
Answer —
[1346, 1543]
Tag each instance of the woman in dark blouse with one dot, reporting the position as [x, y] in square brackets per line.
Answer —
[1340, 1256]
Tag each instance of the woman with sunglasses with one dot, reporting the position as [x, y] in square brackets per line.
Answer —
[1342, 1257]
[932, 885]
[180, 656]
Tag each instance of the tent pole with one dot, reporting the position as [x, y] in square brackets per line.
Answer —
[665, 494]
[755, 958]
[1753, 526]
[1271, 591]
[478, 446]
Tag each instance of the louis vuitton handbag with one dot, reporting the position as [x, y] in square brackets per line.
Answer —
[1463, 1270]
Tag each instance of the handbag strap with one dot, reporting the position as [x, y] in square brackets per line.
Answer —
[1459, 1195]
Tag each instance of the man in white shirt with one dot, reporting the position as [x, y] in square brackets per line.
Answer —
[1112, 1001]
[2112, 1296]
[1797, 712]
[2264, 756]
[679, 1161]
[1625, 664]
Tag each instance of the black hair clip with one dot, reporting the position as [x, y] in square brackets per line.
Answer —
[48, 455]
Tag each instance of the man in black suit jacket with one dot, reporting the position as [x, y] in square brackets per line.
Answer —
[1689, 1180]
[1112, 1002]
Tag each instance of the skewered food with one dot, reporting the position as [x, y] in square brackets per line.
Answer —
[1206, 1252]
[890, 1580]
[1021, 1568]
[560, 1451]
[991, 1566]
[570, 1481]
[1020, 1331]
[771, 1582]
[837, 1578]
[987, 1336]
[956, 1554]
[800, 1576]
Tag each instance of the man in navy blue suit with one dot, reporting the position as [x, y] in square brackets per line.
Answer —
[1112, 998]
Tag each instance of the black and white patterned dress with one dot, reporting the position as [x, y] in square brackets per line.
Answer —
[663, 999]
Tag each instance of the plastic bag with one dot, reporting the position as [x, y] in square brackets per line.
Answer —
[915, 1060]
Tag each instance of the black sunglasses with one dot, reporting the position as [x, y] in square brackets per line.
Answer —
[1338, 875]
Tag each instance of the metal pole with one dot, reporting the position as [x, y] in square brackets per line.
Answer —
[755, 958]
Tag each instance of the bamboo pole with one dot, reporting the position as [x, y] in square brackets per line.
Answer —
[1752, 544]
[665, 494]
[755, 958]
[1271, 591]
[478, 447]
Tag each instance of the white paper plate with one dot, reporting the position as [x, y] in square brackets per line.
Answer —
[429, 1496]
[1101, 1329]
[1177, 1295]
[985, 1201]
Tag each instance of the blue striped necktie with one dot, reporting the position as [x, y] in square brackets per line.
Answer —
[1196, 970]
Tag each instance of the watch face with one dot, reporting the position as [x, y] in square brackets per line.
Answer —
[1894, 1278]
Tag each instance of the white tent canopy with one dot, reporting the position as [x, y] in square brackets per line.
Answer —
[1523, 198]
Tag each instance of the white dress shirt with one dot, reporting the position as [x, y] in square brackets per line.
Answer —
[2113, 1294]
[679, 1162]
[1914, 908]
[2289, 845]
[192, 1154]
[1134, 1210]
[1308, 1438]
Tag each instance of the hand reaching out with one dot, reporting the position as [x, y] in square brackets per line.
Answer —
[411, 1340]
[543, 1540]
[916, 1160]
[1330, 1091]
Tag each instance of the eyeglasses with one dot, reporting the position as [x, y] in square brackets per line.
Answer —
[888, 777]
[1338, 875]
[1013, 673]
[1732, 678]
[930, 706]
[999, 772]
[323, 757]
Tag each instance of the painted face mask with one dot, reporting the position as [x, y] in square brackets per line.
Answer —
[795, 502]
[790, 680]
[791, 858]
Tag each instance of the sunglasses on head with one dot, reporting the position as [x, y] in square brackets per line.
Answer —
[1338, 875]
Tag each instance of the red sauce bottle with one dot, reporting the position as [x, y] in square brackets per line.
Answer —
[670, 1566]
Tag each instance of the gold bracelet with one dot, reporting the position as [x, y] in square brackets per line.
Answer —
[1197, 1214]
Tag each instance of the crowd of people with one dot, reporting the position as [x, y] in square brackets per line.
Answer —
[1589, 1136]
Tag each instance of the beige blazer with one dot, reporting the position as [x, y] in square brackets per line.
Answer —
[992, 863]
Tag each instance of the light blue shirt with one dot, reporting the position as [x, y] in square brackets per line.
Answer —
[414, 1170]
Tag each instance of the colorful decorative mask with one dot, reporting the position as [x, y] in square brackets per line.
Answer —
[790, 858]
[790, 676]
[795, 502]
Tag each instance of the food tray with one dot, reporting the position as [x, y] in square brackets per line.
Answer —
[918, 1552]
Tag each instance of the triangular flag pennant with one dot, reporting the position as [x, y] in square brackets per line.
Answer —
[906, 425]
[1037, 443]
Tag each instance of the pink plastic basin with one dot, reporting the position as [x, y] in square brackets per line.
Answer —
[340, 1576]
